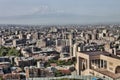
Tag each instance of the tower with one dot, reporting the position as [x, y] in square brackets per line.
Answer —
[14, 43]
[71, 44]
[75, 49]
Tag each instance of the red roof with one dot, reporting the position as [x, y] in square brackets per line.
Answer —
[65, 71]
[53, 64]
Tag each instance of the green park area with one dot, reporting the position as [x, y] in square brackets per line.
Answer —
[7, 51]
[61, 62]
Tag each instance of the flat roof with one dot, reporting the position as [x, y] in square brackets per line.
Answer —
[97, 53]
[107, 73]
[93, 53]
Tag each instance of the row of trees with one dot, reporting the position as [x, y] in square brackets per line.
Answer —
[61, 62]
[5, 51]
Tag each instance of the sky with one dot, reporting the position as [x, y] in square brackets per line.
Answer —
[59, 11]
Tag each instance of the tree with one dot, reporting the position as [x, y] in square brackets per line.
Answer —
[58, 73]
[13, 52]
[9, 52]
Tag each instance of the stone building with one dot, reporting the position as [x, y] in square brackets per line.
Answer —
[98, 63]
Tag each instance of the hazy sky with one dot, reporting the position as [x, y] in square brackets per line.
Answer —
[59, 11]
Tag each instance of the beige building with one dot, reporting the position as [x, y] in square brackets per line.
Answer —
[98, 63]
[23, 61]
[32, 72]
[41, 43]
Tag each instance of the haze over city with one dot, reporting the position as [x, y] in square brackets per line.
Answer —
[59, 39]
[59, 11]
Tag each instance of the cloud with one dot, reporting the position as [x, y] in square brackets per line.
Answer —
[29, 10]
[45, 10]
[40, 9]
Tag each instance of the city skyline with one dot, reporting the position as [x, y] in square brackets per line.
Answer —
[59, 11]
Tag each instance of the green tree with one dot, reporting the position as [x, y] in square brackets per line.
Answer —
[58, 73]
[9, 52]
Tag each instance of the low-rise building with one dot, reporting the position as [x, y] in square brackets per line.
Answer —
[98, 63]
[23, 61]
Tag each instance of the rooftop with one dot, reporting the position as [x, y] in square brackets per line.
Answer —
[108, 73]
[96, 53]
